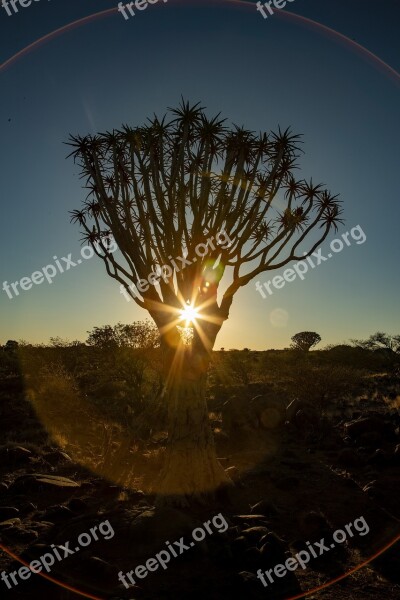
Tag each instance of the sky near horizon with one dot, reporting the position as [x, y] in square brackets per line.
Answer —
[260, 73]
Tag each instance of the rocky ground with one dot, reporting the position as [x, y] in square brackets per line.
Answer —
[298, 478]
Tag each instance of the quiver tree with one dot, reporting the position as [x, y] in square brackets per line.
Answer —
[163, 190]
[305, 340]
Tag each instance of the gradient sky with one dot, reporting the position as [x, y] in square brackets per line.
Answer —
[259, 73]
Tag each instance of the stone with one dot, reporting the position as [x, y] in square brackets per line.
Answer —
[273, 549]
[254, 534]
[8, 512]
[240, 545]
[10, 523]
[21, 534]
[379, 458]
[77, 505]
[372, 424]
[348, 458]
[38, 481]
[96, 567]
[252, 558]
[57, 457]
[58, 514]
[232, 472]
[15, 454]
[288, 483]
[266, 507]
[314, 525]
[246, 585]
[3, 488]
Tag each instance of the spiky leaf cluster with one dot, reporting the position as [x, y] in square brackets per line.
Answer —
[164, 187]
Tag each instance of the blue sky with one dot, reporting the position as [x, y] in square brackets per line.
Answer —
[259, 73]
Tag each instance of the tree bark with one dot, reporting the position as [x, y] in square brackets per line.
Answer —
[191, 468]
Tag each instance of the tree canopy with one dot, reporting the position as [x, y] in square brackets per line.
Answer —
[166, 186]
[305, 340]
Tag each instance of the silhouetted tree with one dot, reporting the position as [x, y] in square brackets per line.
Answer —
[11, 346]
[379, 341]
[140, 334]
[305, 340]
[165, 188]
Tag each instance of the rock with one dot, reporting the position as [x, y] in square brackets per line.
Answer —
[273, 550]
[41, 526]
[389, 563]
[296, 464]
[148, 531]
[136, 495]
[57, 457]
[266, 507]
[372, 490]
[252, 558]
[240, 545]
[77, 505]
[246, 520]
[365, 425]
[8, 512]
[27, 508]
[38, 481]
[395, 459]
[3, 488]
[10, 523]
[15, 455]
[372, 438]
[20, 534]
[98, 568]
[35, 551]
[288, 483]
[379, 458]
[348, 458]
[254, 534]
[57, 514]
[314, 525]
[306, 418]
[246, 585]
[232, 472]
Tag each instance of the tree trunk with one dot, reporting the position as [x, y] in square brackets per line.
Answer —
[191, 467]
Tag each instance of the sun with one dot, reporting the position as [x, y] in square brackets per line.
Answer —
[189, 314]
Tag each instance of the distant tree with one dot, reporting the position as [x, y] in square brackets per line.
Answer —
[379, 341]
[305, 340]
[140, 334]
[59, 342]
[11, 346]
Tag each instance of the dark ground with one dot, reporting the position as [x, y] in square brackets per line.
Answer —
[311, 474]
